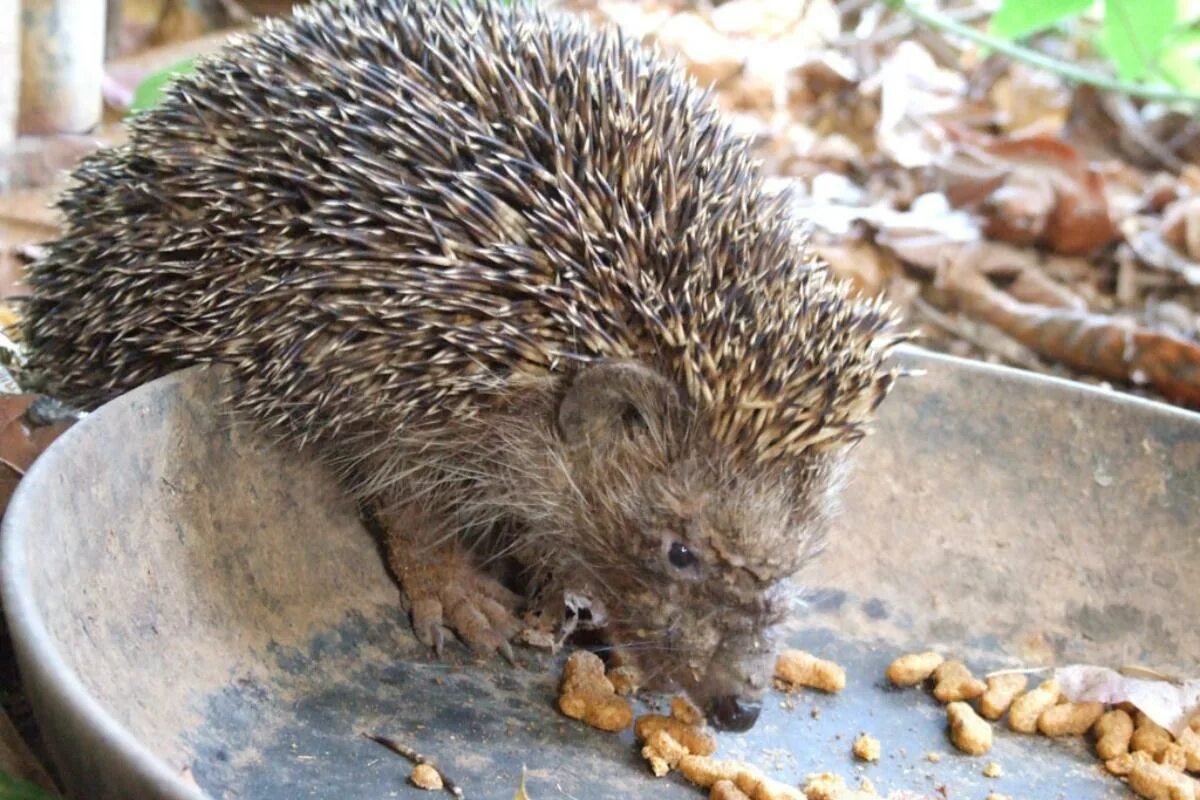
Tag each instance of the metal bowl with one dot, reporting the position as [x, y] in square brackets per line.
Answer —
[183, 594]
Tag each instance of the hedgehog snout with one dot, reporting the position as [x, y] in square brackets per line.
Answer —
[737, 678]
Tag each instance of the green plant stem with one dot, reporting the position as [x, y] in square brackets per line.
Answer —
[1065, 69]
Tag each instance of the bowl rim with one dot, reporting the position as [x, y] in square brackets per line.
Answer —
[42, 663]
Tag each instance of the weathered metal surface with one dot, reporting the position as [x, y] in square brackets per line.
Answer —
[183, 594]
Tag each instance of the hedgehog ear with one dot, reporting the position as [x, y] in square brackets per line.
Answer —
[610, 398]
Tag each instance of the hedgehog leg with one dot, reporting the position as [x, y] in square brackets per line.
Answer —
[445, 591]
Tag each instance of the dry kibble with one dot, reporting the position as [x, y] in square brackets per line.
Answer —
[1069, 719]
[625, 680]
[866, 748]
[993, 770]
[827, 786]
[1149, 736]
[704, 771]
[587, 695]
[697, 741]
[798, 668]
[1001, 691]
[663, 752]
[686, 712]
[911, 669]
[707, 772]
[996, 796]
[584, 670]
[955, 682]
[969, 732]
[1156, 782]
[1189, 740]
[759, 787]
[933, 757]
[1173, 757]
[1025, 710]
[727, 790]
[1122, 764]
[1113, 731]
[424, 776]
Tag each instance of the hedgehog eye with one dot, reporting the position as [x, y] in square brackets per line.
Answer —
[632, 418]
[681, 556]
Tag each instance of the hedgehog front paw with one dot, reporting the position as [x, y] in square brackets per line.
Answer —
[446, 592]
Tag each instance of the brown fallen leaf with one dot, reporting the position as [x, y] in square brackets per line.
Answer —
[1030, 190]
[1032, 285]
[20, 442]
[1094, 344]
[1181, 226]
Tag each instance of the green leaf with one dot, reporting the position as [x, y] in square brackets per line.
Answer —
[1018, 18]
[150, 90]
[15, 789]
[1134, 33]
[1181, 66]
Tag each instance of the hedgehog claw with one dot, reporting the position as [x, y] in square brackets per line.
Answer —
[450, 593]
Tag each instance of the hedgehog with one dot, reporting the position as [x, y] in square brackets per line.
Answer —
[518, 282]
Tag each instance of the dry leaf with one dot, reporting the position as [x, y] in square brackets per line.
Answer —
[1181, 226]
[1030, 100]
[913, 90]
[1030, 190]
[1167, 703]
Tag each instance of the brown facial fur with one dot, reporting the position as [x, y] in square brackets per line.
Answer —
[591, 480]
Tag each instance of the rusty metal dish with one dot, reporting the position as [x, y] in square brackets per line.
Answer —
[183, 594]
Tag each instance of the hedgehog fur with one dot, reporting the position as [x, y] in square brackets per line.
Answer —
[410, 227]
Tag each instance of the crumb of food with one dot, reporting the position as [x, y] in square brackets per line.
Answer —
[1156, 782]
[424, 776]
[759, 787]
[686, 712]
[1189, 740]
[707, 772]
[1025, 710]
[992, 770]
[1001, 691]
[913, 668]
[1121, 764]
[697, 740]
[933, 757]
[828, 786]
[539, 639]
[969, 731]
[1113, 731]
[625, 680]
[727, 790]
[867, 786]
[997, 796]
[796, 668]
[866, 748]
[1149, 737]
[815, 713]
[704, 771]
[1069, 719]
[955, 682]
[824, 786]
[663, 752]
[587, 695]
[1173, 757]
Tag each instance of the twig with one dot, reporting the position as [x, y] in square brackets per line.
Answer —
[1016, 354]
[400, 748]
[1062, 68]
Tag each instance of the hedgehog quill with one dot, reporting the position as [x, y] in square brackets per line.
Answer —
[519, 283]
